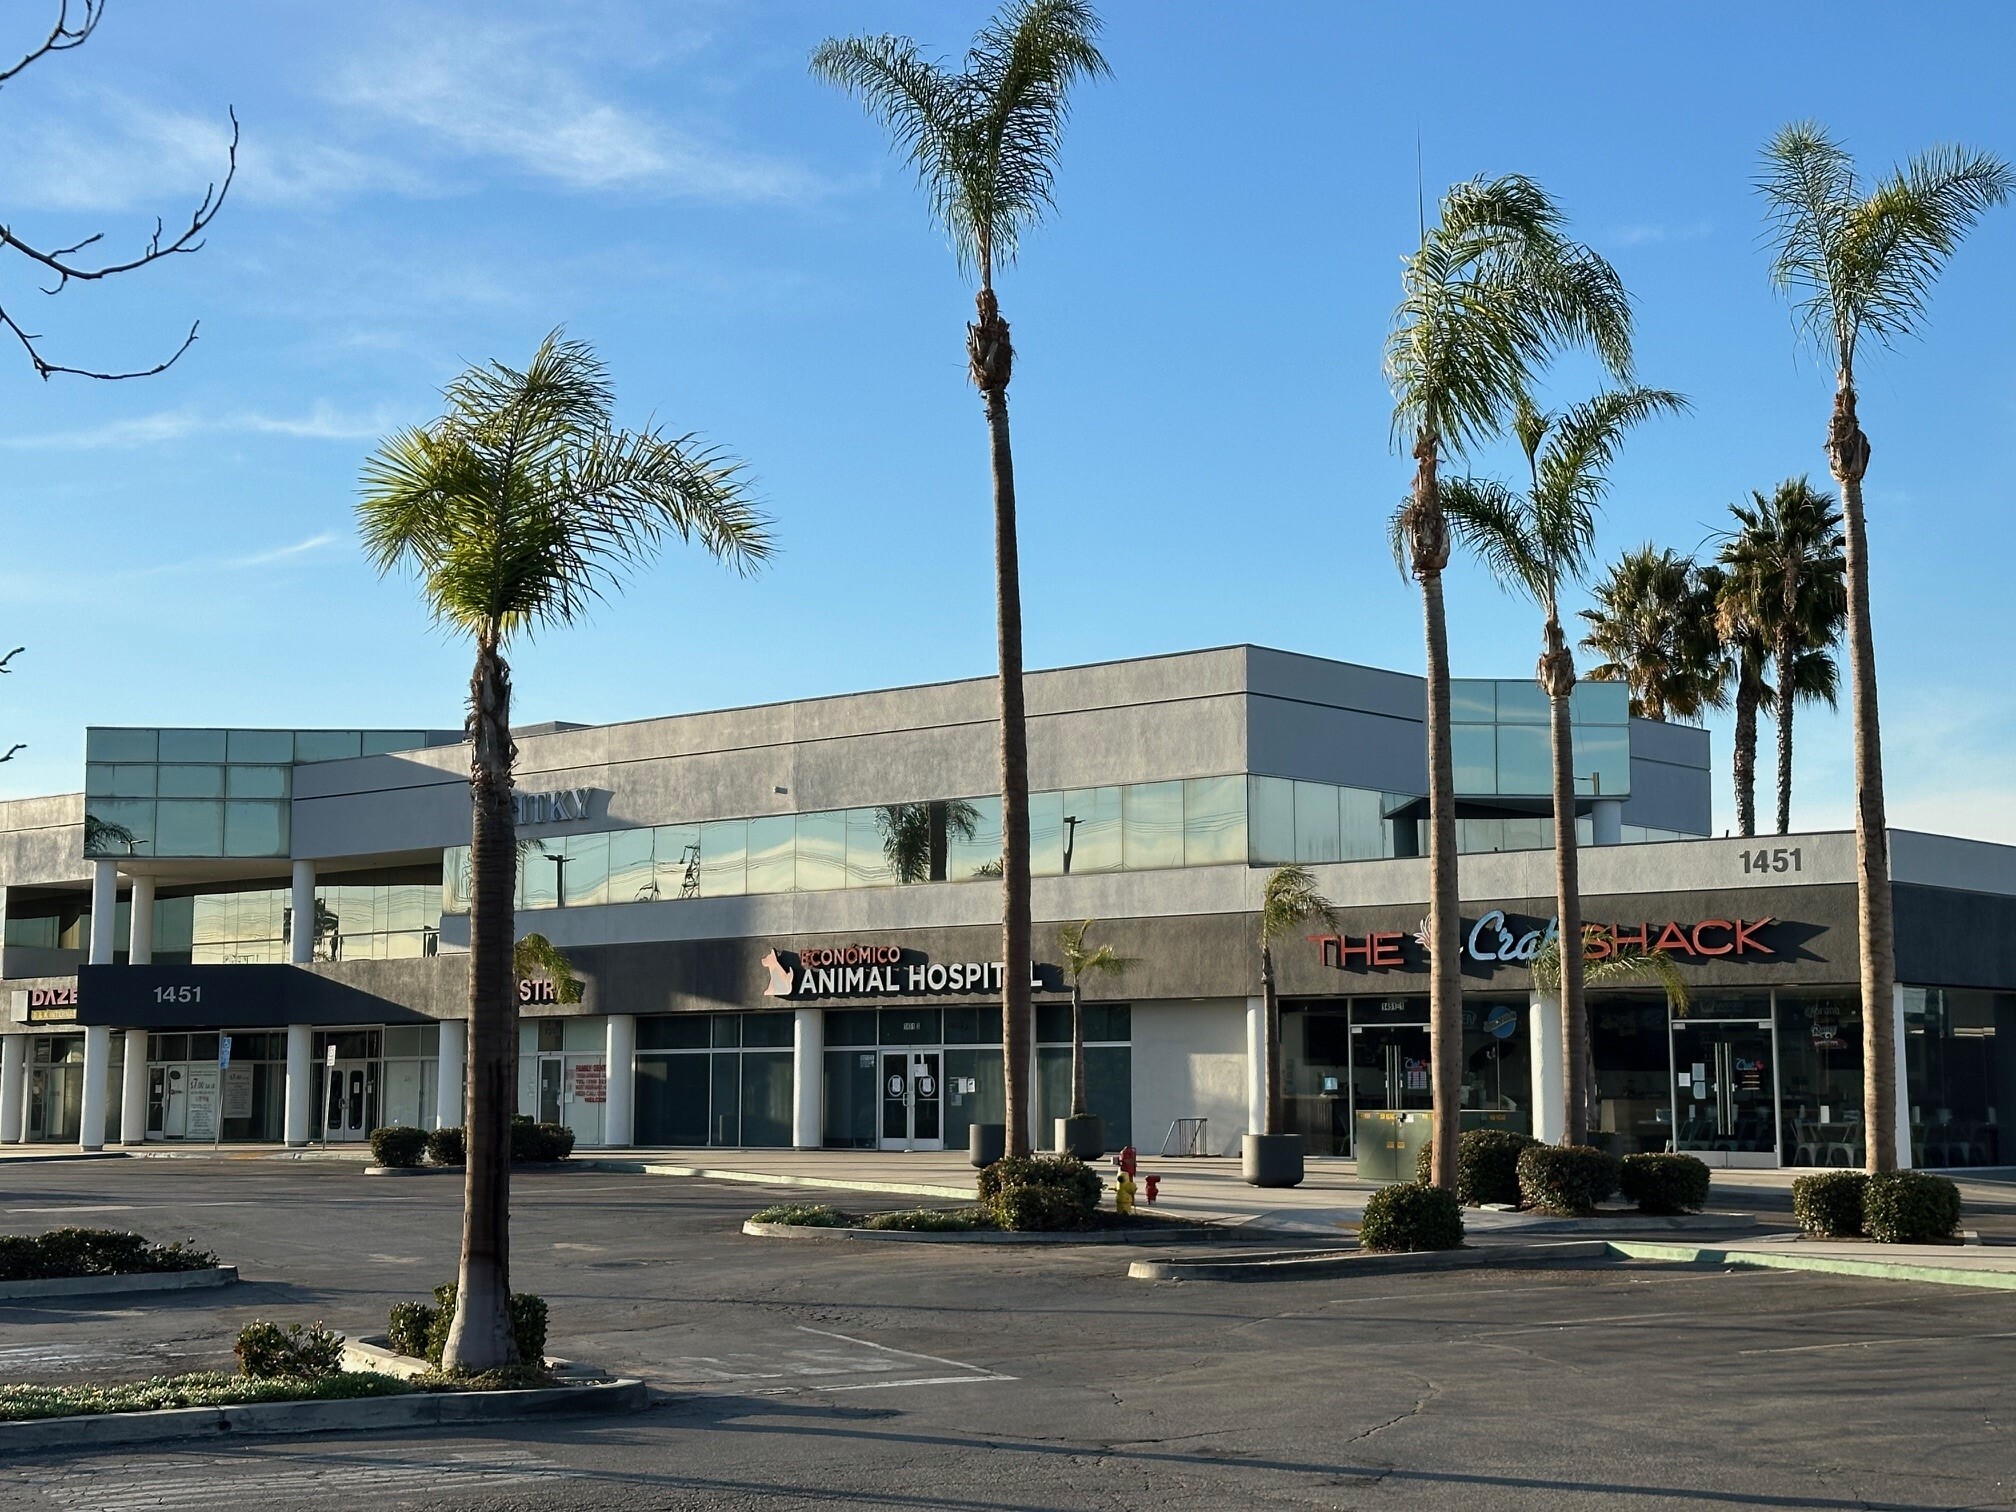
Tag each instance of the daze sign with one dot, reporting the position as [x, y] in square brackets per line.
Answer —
[878, 971]
[1494, 940]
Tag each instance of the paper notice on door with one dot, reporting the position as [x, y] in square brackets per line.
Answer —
[237, 1091]
[202, 1120]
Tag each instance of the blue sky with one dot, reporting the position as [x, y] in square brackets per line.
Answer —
[1201, 422]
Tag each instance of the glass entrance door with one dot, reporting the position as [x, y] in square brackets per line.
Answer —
[912, 1101]
[552, 1084]
[1725, 1092]
[1389, 1069]
[351, 1111]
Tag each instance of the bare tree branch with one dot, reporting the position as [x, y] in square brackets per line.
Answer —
[9, 657]
[19, 745]
[62, 36]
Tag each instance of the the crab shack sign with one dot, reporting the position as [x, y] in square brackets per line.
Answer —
[1497, 939]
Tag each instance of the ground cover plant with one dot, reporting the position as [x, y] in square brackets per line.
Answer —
[804, 1215]
[202, 1389]
[1487, 1165]
[268, 1352]
[65, 1252]
[1411, 1216]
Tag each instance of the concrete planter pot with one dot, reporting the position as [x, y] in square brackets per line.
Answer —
[1084, 1136]
[986, 1143]
[1271, 1160]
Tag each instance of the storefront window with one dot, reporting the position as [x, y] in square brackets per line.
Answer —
[1497, 1064]
[1820, 1075]
[1316, 1076]
[1634, 1073]
[1951, 1068]
[1109, 1068]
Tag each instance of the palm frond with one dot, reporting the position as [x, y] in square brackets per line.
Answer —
[535, 956]
[1289, 898]
[1496, 525]
[1081, 960]
[1655, 624]
[1627, 968]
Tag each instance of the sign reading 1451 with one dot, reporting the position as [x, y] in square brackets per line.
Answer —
[182, 994]
[1778, 859]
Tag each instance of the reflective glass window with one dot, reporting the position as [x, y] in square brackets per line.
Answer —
[587, 877]
[1600, 703]
[125, 826]
[1151, 825]
[1472, 700]
[1214, 821]
[188, 827]
[540, 863]
[1361, 826]
[821, 851]
[255, 781]
[270, 746]
[101, 780]
[631, 879]
[1316, 822]
[1475, 748]
[192, 745]
[1525, 760]
[1603, 759]
[254, 829]
[1522, 703]
[675, 850]
[191, 781]
[1270, 817]
[327, 745]
[772, 847]
[723, 860]
[1092, 830]
[383, 742]
[121, 745]
[455, 879]
[1046, 834]
[869, 834]
[767, 1029]
[979, 856]
[1528, 834]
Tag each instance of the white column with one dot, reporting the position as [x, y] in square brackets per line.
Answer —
[133, 1096]
[449, 1073]
[808, 1078]
[619, 1080]
[140, 933]
[301, 949]
[300, 1085]
[104, 917]
[1902, 1111]
[1256, 1065]
[97, 1065]
[13, 1086]
[1606, 821]
[1550, 1068]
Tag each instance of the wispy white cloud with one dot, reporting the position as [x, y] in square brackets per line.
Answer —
[274, 554]
[77, 586]
[321, 422]
[1649, 234]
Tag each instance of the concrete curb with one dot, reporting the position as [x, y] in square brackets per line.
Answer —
[126, 1285]
[981, 1236]
[771, 1178]
[420, 1410]
[419, 1170]
[374, 1354]
[1334, 1263]
[1624, 1223]
[1836, 1265]
[12, 1159]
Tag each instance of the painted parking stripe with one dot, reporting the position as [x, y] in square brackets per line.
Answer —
[973, 1372]
[248, 1481]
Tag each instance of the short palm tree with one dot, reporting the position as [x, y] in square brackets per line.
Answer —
[1654, 625]
[984, 142]
[1859, 263]
[1288, 900]
[517, 509]
[1537, 541]
[1787, 576]
[1746, 658]
[1082, 960]
[1495, 289]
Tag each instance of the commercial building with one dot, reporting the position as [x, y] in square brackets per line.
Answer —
[787, 926]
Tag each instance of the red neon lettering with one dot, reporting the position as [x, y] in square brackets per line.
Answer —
[1384, 948]
[1746, 937]
[1672, 937]
[1701, 947]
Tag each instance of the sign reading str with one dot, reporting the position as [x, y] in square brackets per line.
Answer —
[878, 971]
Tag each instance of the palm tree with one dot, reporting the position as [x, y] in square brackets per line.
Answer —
[1494, 290]
[1535, 543]
[1787, 576]
[1861, 265]
[1654, 627]
[914, 836]
[1288, 899]
[1079, 961]
[1626, 968]
[984, 142]
[517, 509]
[1746, 654]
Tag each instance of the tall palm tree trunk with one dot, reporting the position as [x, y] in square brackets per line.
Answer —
[1078, 1108]
[1270, 1044]
[1848, 460]
[1557, 675]
[1781, 714]
[1743, 759]
[481, 1337]
[1429, 548]
[992, 357]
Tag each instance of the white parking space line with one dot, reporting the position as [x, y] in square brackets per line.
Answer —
[258, 1481]
[822, 1367]
[1876, 1343]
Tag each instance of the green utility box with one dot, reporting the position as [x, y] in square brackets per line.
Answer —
[1389, 1144]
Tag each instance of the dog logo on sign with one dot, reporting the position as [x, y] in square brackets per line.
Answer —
[781, 977]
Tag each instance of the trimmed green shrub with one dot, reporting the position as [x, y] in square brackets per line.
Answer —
[1039, 1209]
[1828, 1204]
[62, 1252]
[444, 1146]
[418, 1323]
[1412, 1216]
[210, 1388]
[1910, 1207]
[803, 1215]
[1487, 1165]
[398, 1145]
[1040, 1192]
[268, 1352]
[1664, 1184]
[926, 1221]
[537, 1143]
[1566, 1180]
[410, 1323]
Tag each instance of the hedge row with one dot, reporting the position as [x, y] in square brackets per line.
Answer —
[401, 1145]
[66, 1252]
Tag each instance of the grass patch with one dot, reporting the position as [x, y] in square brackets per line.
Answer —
[805, 1215]
[204, 1389]
[933, 1220]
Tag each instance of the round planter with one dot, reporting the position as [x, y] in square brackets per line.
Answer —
[1083, 1136]
[1271, 1160]
[986, 1143]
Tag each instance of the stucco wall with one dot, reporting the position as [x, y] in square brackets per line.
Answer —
[1190, 1062]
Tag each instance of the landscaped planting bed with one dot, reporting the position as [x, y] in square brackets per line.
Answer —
[64, 1253]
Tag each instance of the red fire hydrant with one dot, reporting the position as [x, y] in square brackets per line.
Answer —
[1149, 1183]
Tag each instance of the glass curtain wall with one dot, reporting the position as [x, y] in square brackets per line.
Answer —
[1109, 1069]
[721, 1079]
[970, 1039]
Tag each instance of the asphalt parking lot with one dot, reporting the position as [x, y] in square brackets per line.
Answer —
[791, 1374]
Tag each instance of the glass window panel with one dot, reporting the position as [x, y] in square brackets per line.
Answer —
[723, 868]
[402, 1039]
[192, 745]
[188, 827]
[1111, 1022]
[455, 879]
[1316, 822]
[1525, 760]
[631, 878]
[1522, 703]
[130, 781]
[1214, 821]
[123, 818]
[868, 830]
[772, 846]
[849, 1026]
[1361, 826]
[971, 1026]
[675, 849]
[255, 829]
[1600, 703]
[1046, 834]
[1472, 700]
[538, 877]
[254, 781]
[727, 1030]
[1053, 1024]
[1528, 834]
[383, 742]
[121, 745]
[980, 855]
[821, 863]
[912, 1026]
[1603, 760]
[191, 781]
[672, 1031]
[1092, 842]
[1270, 820]
[326, 745]
[1152, 825]
[587, 870]
[766, 1101]
[767, 1029]
[1476, 752]
[269, 746]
